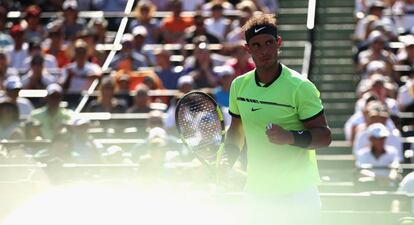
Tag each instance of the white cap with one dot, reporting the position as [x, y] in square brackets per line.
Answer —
[13, 82]
[225, 70]
[54, 88]
[79, 121]
[127, 38]
[408, 40]
[70, 4]
[375, 35]
[378, 130]
[140, 30]
[186, 79]
[157, 132]
[375, 66]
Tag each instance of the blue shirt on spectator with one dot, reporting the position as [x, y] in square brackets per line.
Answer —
[169, 77]
[221, 96]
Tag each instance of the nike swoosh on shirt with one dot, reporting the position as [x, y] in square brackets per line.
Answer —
[255, 109]
[259, 29]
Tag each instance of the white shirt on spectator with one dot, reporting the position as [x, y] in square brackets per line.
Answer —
[46, 79]
[217, 27]
[357, 119]
[80, 79]
[393, 140]
[25, 107]
[17, 57]
[361, 27]
[50, 62]
[405, 96]
[391, 104]
[407, 184]
[365, 157]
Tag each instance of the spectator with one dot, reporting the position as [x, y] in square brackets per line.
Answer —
[378, 91]
[35, 29]
[100, 24]
[52, 116]
[37, 77]
[199, 28]
[78, 75]
[6, 40]
[89, 35]
[373, 67]
[406, 56]
[127, 58]
[377, 113]
[227, 6]
[173, 27]
[201, 64]
[56, 46]
[168, 74]
[20, 49]
[218, 24]
[376, 51]
[404, 9]
[12, 86]
[360, 118]
[106, 101]
[374, 19]
[406, 94]
[247, 8]
[122, 88]
[72, 25]
[141, 100]
[140, 35]
[5, 69]
[185, 84]
[144, 16]
[9, 120]
[241, 61]
[154, 83]
[378, 155]
[222, 92]
[35, 48]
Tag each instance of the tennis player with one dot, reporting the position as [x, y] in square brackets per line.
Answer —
[280, 115]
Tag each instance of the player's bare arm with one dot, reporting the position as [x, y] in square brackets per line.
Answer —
[234, 141]
[317, 128]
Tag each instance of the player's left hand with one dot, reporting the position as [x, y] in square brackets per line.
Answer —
[277, 135]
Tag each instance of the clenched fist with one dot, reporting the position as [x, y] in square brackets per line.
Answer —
[278, 135]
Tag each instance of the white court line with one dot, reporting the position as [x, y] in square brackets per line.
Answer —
[111, 55]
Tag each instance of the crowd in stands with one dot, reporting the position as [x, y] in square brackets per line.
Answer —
[60, 57]
[384, 67]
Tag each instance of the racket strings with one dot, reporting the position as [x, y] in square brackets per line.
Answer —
[200, 124]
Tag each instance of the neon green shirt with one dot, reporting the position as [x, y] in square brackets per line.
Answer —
[50, 124]
[287, 101]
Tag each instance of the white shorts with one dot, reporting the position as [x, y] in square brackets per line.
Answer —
[298, 208]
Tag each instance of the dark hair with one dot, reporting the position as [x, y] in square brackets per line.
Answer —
[260, 20]
[260, 24]
[37, 60]
[7, 102]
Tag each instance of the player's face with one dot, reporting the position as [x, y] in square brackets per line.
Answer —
[264, 50]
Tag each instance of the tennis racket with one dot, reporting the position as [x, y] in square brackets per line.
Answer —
[200, 124]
